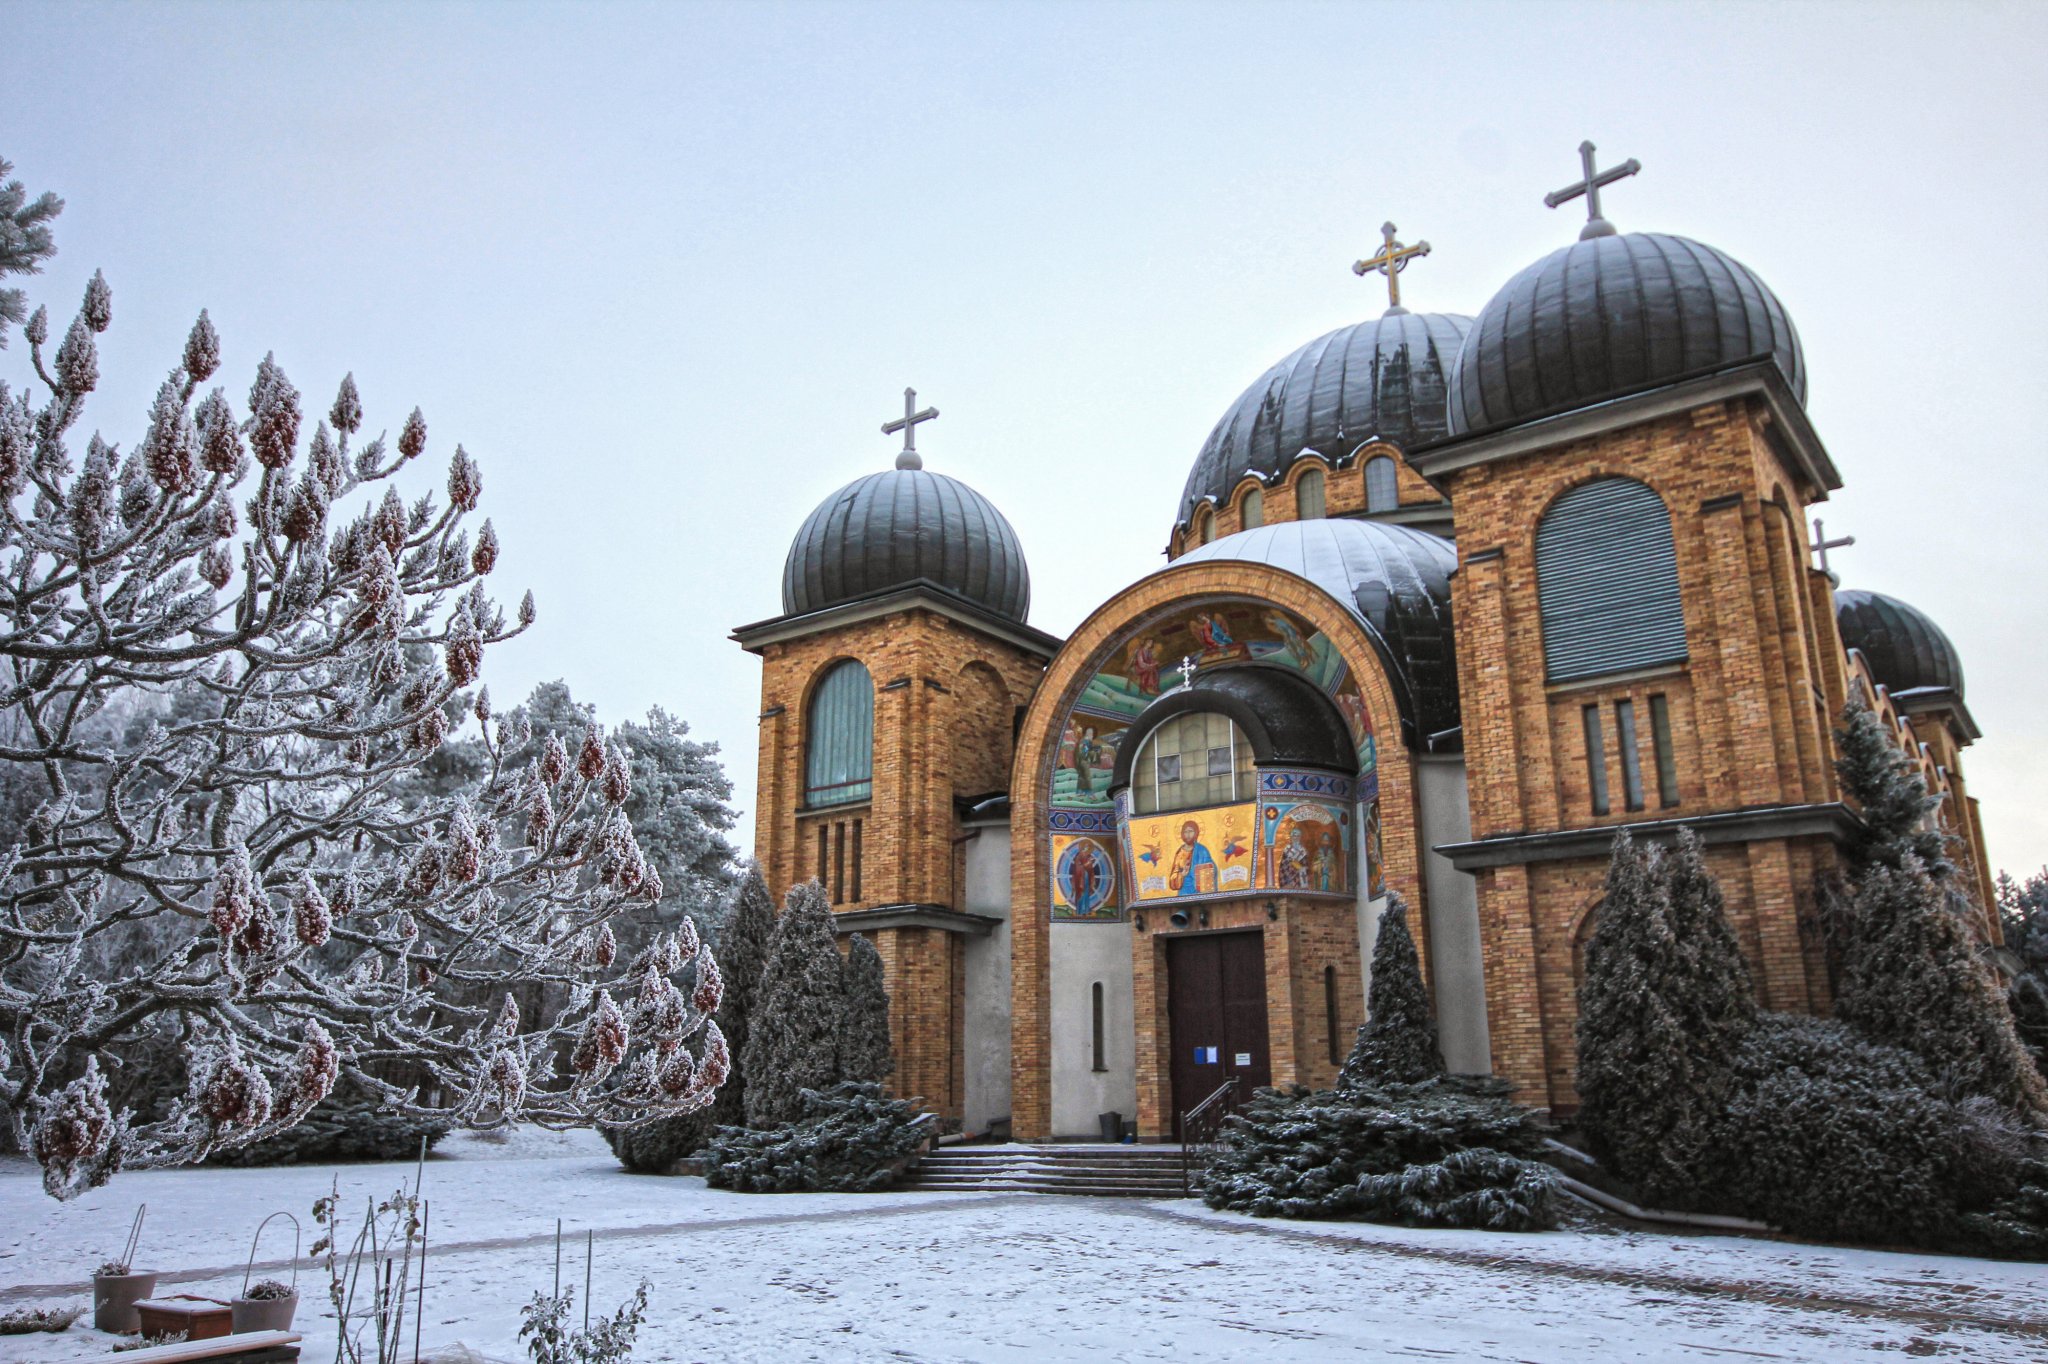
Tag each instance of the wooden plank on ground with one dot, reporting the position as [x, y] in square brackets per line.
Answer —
[251, 1346]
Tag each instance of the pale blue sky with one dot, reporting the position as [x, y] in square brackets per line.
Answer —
[664, 269]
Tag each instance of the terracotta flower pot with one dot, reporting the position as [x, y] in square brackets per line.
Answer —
[264, 1314]
[113, 1301]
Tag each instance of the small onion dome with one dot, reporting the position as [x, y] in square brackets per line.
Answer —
[902, 527]
[1906, 650]
[1396, 579]
[1610, 316]
[1385, 378]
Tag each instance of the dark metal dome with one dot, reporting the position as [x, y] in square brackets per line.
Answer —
[1398, 581]
[1905, 649]
[900, 527]
[1384, 378]
[1610, 316]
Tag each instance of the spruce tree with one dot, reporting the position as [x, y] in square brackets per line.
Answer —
[1398, 1044]
[865, 1052]
[1913, 979]
[1890, 793]
[793, 1037]
[1664, 1003]
[2023, 914]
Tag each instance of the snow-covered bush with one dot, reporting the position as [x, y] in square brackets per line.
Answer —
[1664, 1002]
[1397, 1044]
[851, 1138]
[226, 650]
[2023, 915]
[793, 1034]
[1449, 1152]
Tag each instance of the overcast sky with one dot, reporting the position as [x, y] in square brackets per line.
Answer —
[665, 269]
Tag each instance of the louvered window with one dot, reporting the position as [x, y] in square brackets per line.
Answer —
[1308, 495]
[1252, 511]
[839, 760]
[1607, 581]
[1381, 492]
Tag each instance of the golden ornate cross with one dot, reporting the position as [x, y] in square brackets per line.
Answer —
[1392, 259]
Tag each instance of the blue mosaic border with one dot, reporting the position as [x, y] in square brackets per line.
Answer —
[1081, 821]
[1294, 781]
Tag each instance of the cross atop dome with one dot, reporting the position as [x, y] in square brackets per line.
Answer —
[1589, 185]
[1392, 259]
[907, 457]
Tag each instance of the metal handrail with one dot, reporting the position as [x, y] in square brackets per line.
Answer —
[1199, 1127]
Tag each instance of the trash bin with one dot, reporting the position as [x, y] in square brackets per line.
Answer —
[1112, 1126]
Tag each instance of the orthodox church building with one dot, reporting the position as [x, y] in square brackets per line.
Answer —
[1449, 602]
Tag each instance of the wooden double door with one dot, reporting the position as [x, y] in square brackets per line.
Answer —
[1216, 1015]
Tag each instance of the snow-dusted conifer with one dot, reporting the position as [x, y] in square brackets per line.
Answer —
[1890, 794]
[865, 1051]
[793, 1034]
[1913, 979]
[1397, 1044]
[1664, 1002]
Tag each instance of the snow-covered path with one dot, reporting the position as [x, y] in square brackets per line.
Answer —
[939, 1277]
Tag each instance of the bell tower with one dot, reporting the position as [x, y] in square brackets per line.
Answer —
[889, 689]
[1643, 640]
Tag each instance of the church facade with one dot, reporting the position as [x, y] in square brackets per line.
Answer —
[1449, 601]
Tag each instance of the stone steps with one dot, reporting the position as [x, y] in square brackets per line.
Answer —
[1098, 1172]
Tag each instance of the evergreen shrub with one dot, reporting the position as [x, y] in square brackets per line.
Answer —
[1446, 1152]
[851, 1138]
[1398, 1043]
[353, 1123]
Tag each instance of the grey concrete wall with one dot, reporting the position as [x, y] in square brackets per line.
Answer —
[1082, 955]
[985, 1029]
[1459, 969]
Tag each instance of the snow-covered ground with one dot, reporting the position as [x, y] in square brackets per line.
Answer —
[1026, 1277]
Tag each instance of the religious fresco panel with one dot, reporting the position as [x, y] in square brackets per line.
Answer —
[1307, 833]
[1192, 854]
[1150, 660]
[1087, 886]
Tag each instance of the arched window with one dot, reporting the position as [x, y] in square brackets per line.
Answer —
[1607, 582]
[1308, 495]
[1252, 511]
[1199, 533]
[1381, 494]
[1191, 761]
[839, 757]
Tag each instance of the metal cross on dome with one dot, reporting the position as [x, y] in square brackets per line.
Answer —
[1589, 185]
[907, 457]
[1392, 259]
[1821, 544]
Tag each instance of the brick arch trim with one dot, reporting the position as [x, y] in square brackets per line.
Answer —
[1087, 651]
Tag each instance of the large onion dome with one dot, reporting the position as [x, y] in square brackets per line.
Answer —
[1613, 315]
[1905, 649]
[903, 527]
[1385, 378]
[1396, 579]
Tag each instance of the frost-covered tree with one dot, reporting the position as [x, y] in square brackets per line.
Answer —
[25, 241]
[1913, 979]
[1663, 1006]
[865, 1051]
[1890, 795]
[748, 923]
[793, 1033]
[1397, 1044]
[851, 1138]
[222, 653]
[2023, 915]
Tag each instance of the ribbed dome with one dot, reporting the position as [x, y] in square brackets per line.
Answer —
[1396, 578]
[1905, 649]
[1384, 378]
[1610, 316]
[903, 526]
